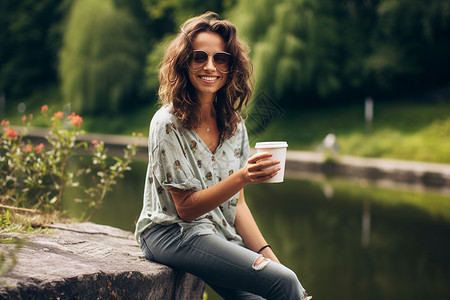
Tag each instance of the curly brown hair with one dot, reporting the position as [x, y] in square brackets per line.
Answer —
[176, 90]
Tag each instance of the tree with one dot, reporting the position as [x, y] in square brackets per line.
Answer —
[410, 45]
[102, 57]
[30, 40]
[294, 45]
[309, 52]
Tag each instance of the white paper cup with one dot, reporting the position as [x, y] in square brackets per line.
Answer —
[278, 149]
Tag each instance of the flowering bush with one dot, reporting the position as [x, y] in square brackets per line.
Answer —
[38, 175]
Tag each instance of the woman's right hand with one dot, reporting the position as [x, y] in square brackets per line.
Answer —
[258, 168]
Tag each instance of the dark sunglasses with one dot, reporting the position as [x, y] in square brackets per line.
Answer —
[222, 60]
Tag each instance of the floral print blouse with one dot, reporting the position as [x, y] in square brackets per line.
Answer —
[178, 158]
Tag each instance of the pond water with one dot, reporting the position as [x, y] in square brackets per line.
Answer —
[345, 239]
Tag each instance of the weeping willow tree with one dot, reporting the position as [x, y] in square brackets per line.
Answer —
[290, 42]
[101, 62]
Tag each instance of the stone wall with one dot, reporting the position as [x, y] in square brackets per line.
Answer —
[89, 261]
[306, 164]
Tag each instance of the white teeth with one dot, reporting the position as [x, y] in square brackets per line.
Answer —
[208, 78]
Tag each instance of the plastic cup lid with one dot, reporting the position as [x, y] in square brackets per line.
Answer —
[271, 145]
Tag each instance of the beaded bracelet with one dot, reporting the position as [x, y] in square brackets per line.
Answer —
[259, 251]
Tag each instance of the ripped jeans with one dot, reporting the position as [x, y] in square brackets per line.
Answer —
[234, 272]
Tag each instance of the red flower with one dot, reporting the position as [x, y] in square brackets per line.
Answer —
[75, 119]
[58, 115]
[5, 123]
[24, 118]
[12, 134]
[39, 148]
[44, 108]
[95, 143]
[29, 148]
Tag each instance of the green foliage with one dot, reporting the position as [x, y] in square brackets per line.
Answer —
[29, 37]
[102, 58]
[308, 51]
[153, 63]
[304, 51]
[37, 176]
[4, 220]
[104, 175]
[292, 42]
[11, 223]
[408, 42]
[176, 12]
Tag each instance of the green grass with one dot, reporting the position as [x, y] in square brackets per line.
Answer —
[404, 129]
[137, 120]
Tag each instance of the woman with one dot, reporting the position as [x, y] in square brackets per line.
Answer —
[194, 216]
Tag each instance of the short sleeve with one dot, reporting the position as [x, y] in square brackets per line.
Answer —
[169, 162]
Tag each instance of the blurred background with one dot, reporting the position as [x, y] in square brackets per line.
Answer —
[374, 73]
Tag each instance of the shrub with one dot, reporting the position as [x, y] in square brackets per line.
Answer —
[37, 175]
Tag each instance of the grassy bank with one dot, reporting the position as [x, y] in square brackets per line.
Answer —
[404, 129]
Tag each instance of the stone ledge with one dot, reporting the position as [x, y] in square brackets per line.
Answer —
[405, 172]
[90, 261]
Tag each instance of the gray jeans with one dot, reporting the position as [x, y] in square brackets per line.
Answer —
[234, 272]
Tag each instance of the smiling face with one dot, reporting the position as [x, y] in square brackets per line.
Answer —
[208, 80]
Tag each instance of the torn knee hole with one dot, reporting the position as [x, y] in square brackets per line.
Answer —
[260, 262]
